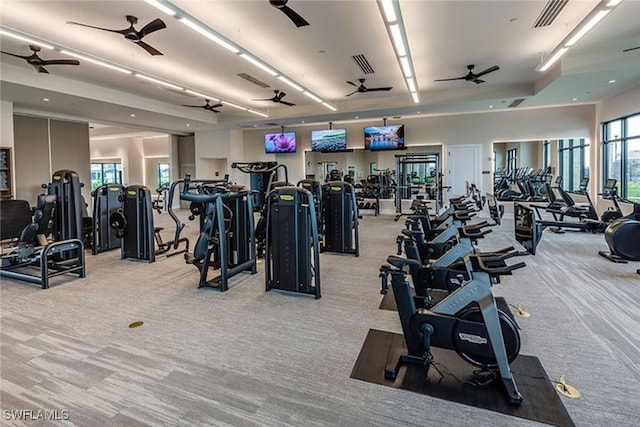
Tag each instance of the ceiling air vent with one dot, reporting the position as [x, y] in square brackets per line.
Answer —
[253, 80]
[271, 124]
[364, 65]
[516, 102]
[550, 12]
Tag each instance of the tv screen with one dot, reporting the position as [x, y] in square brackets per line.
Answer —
[384, 137]
[280, 142]
[329, 140]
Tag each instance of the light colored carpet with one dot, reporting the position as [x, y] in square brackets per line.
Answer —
[250, 357]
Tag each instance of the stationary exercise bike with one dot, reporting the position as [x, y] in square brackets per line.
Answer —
[467, 321]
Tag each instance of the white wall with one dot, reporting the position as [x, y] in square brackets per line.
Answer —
[6, 136]
[481, 128]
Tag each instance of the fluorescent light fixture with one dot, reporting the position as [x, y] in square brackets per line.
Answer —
[329, 106]
[25, 39]
[396, 36]
[587, 27]
[160, 82]
[416, 99]
[231, 104]
[596, 15]
[209, 34]
[96, 61]
[312, 96]
[259, 64]
[549, 62]
[257, 112]
[412, 84]
[291, 83]
[162, 7]
[202, 95]
[612, 81]
[406, 67]
[389, 11]
[46, 99]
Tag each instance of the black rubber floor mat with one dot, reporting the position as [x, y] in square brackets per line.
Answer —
[540, 400]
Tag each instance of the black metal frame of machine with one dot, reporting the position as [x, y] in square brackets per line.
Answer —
[292, 256]
[340, 218]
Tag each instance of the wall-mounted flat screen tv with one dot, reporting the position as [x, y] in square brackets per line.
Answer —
[284, 142]
[329, 140]
[384, 137]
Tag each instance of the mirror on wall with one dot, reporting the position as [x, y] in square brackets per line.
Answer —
[360, 163]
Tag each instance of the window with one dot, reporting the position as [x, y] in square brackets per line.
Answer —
[164, 178]
[105, 173]
[621, 139]
[546, 153]
[573, 157]
[512, 159]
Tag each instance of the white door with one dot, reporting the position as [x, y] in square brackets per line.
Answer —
[463, 165]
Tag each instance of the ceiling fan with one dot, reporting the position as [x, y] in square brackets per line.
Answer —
[132, 34]
[630, 49]
[298, 20]
[471, 76]
[277, 98]
[207, 106]
[361, 88]
[39, 63]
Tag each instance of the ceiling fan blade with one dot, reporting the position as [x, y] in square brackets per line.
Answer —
[378, 89]
[40, 69]
[450, 80]
[631, 48]
[193, 106]
[290, 104]
[153, 51]
[155, 25]
[13, 54]
[216, 105]
[61, 62]
[215, 111]
[353, 84]
[298, 20]
[478, 81]
[487, 71]
[349, 94]
[263, 99]
[98, 28]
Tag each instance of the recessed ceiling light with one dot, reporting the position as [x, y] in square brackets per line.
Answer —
[302, 121]
[188, 125]
[132, 115]
[612, 81]
[357, 117]
[417, 112]
[490, 106]
[46, 99]
[574, 99]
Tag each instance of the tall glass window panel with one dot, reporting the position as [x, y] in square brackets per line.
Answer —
[613, 160]
[164, 178]
[632, 173]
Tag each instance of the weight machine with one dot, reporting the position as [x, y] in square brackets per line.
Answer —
[292, 256]
[406, 165]
[340, 218]
[227, 236]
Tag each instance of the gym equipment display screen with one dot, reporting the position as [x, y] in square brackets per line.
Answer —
[329, 140]
[280, 142]
[384, 137]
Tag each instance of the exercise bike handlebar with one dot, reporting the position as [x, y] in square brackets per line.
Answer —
[478, 263]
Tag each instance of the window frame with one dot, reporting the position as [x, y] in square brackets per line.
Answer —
[624, 138]
[573, 147]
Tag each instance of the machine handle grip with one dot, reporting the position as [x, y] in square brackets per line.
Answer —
[501, 270]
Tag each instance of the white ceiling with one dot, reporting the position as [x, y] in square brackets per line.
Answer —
[444, 36]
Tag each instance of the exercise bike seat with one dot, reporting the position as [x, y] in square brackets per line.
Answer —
[411, 233]
[400, 262]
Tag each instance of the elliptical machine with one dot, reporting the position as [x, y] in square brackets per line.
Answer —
[467, 321]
